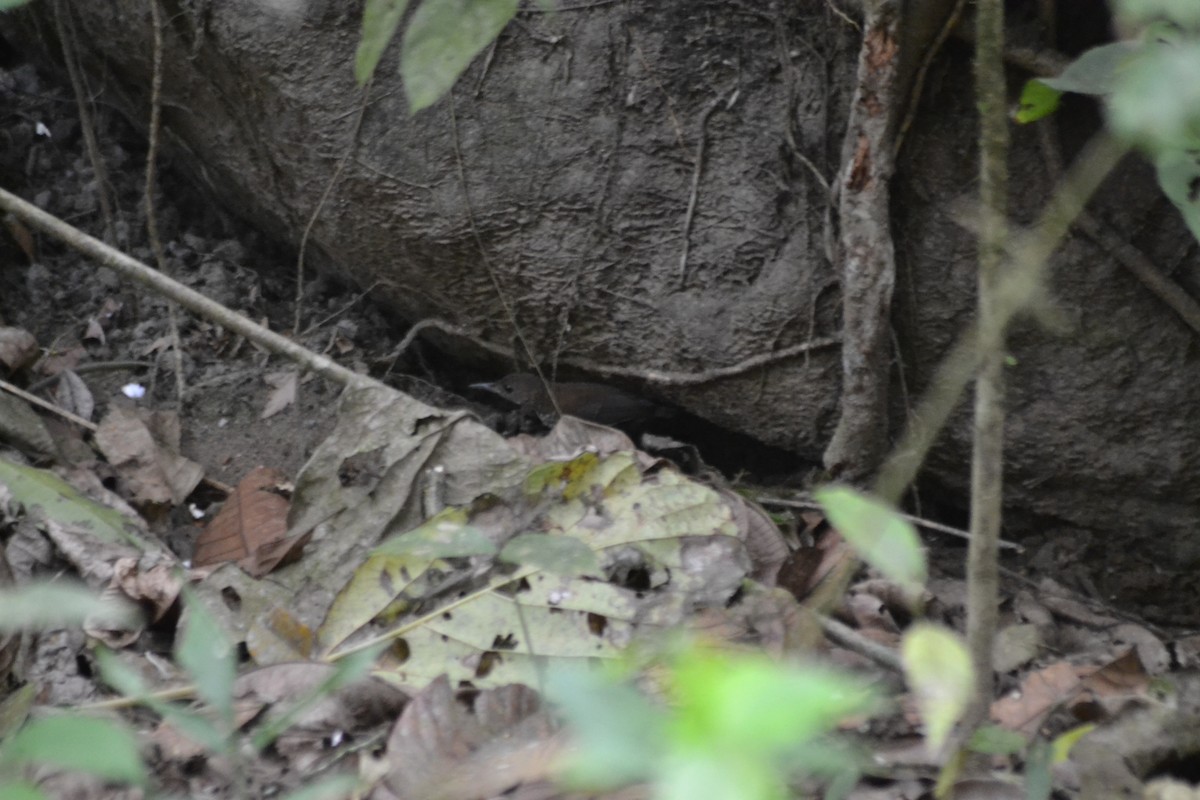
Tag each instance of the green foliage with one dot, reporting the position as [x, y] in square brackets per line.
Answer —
[441, 40]
[56, 605]
[5, 5]
[1037, 100]
[108, 748]
[105, 748]
[938, 668]
[883, 539]
[560, 555]
[738, 727]
[380, 20]
[101, 747]
[1185, 13]
[1150, 91]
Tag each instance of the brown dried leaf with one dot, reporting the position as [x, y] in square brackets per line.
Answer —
[55, 363]
[21, 427]
[18, 348]
[440, 748]
[797, 571]
[22, 236]
[94, 331]
[283, 394]
[354, 707]
[1041, 691]
[73, 395]
[151, 472]
[765, 544]
[253, 517]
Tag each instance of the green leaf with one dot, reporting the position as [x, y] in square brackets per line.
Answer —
[619, 733]
[101, 747]
[1156, 100]
[444, 536]
[380, 19]
[1037, 100]
[15, 708]
[5, 5]
[1038, 779]
[129, 683]
[1178, 174]
[442, 38]
[207, 655]
[1185, 13]
[58, 605]
[938, 668]
[1062, 744]
[753, 704]
[883, 539]
[20, 791]
[993, 740]
[1094, 72]
[561, 555]
[45, 493]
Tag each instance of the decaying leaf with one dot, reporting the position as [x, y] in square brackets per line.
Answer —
[249, 526]
[283, 392]
[152, 471]
[18, 348]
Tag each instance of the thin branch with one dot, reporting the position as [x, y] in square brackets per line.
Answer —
[66, 37]
[918, 87]
[655, 376]
[160, 256]
[920, 522]
[987, 461]
[1030, 256]
[697, 172]
[501, 295]
[312, 220]
[188, 298]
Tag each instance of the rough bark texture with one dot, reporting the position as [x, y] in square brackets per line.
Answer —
[867, 256]
[577, 143]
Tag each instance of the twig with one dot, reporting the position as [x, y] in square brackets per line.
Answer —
[501, 295]
[661, 377]
[160, 256]
[653, 76]
[697, 171]
[1030, 255]
[84, 423]
[94, 366]
[1150, 276]
[845, 17]
[67, 40]
[784, 502]
[851, 639]
[914, 96]
[188, 298]
[1130, 257]
[358, 299]
[312, 220]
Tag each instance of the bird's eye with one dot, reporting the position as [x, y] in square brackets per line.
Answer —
[508, 387]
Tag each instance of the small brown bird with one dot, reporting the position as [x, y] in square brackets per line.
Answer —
[594, 402]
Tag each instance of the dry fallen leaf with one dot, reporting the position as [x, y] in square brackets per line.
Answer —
[250, 525]
[283, 393]
[18, 348]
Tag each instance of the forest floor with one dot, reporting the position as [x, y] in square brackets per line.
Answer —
[1064, 657]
